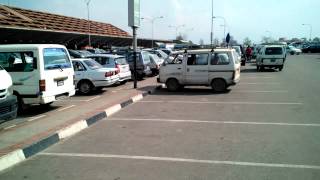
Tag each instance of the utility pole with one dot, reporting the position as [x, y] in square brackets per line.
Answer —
[211, 35]
[152, 20]
[89, 24]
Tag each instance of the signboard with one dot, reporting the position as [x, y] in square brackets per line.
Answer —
[134, 13]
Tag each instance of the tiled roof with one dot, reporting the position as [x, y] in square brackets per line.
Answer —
[12, 17]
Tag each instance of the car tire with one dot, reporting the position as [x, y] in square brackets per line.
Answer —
[21, 106]
[123, 82]
[258, 68]
[173, 85]
[280, 68]
[85, 87]
[219, 85]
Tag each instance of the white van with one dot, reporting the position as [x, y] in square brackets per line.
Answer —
[218, 68]
[8, 101]
[41, 73]
[271, 56]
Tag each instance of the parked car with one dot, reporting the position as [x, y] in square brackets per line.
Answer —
[97, 51]
[8, 101]
[78, 53]
[41, 73]
[159, 53]
[271, 56]
[167, 51]
[313, 48]
[219, 69]
[90, 75]
[293, 50]
[114, 61]
[155, 63]
[143, 63]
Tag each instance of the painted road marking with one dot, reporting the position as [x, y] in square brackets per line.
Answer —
[96, 97]
[256, 78]
[254, 83]
[68, 107]
[172, 159]
[225, 102]
[35, 118]
[216, 122]
[77, 100]
[9, 127]
[251, 91]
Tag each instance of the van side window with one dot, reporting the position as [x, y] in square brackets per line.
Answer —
[17, 61]
[77, 66]
[220, 59]
[197, 59]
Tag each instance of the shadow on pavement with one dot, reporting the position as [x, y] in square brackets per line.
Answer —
[255, 70]
[37, 110]
[189, 91]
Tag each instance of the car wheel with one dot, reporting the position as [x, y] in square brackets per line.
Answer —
[219, 85]
[21, 106]
[85, 87]
[292, 53]
[280, 68]
[258, 68]
[172, 85]
[123, 82]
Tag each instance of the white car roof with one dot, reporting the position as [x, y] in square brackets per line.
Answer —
[205, 50]
[30, 46]
[106, 55]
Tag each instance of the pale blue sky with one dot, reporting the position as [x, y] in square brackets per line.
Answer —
[245, 18]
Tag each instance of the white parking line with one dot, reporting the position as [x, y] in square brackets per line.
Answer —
[96, 97]
[37, 117]
[251, 91]
[256, 78]
[9, 127]
[172, 159]
[225, 102]
[216, 122]
[263, 83]
[68, 107]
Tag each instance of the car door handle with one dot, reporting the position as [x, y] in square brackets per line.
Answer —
[178, 68]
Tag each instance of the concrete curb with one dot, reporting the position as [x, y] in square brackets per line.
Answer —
[20, 155]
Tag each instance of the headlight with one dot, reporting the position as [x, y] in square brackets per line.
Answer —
[10, 90]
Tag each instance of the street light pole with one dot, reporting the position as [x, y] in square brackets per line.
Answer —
[224, 24]
[89, 28]
[152, 28]
[310, 32]
[211, 35]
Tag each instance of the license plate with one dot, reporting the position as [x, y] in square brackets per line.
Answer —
[60, 83]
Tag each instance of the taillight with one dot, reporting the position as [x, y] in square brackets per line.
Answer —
[118, 69]
[42, 85]
[109, 74]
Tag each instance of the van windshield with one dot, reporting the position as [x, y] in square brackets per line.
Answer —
[56, 58]
[273, 51]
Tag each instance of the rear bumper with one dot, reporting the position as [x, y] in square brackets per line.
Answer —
[107, 82]
[9, 108]
[124, 76]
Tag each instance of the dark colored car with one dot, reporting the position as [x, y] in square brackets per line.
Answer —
[143, 63]
[315, 48]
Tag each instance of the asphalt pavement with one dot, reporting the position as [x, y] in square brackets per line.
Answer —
[266, 127]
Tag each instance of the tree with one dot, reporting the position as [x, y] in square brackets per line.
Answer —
[304, 39]
[316, 39]
[247, 41]
[179, 37]
[201, 42]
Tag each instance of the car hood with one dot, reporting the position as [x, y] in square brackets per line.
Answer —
[6, 80]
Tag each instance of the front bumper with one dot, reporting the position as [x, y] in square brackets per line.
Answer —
[9, 108]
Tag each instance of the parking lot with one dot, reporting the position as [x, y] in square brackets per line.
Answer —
[266, 127]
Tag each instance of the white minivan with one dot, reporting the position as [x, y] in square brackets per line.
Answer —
[271, 56]
[8, 101]
[218, 68]
[41, 73]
